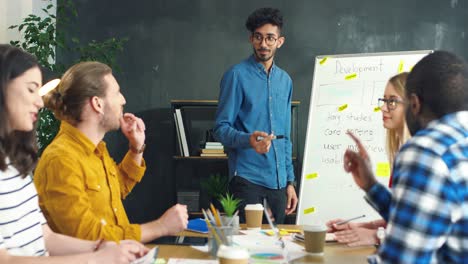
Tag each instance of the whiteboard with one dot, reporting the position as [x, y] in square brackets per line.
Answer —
[345, 91]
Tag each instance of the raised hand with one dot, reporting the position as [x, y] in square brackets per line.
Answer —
[134, 129]
[359, 165]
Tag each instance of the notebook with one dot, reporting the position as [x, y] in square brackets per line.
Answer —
[197, 225]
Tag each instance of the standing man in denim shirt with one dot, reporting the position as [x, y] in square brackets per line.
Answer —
[254, 107]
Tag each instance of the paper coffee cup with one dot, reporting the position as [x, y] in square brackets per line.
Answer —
[233, 255]
[253, 216]
[314, 238]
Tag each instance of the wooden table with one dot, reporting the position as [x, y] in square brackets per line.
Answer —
[334, 252]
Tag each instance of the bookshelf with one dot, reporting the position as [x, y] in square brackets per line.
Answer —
[197, 117]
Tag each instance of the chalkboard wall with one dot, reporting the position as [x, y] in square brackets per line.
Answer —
[179, 49]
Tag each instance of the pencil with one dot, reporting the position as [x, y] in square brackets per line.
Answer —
[213, 230]
[216, 216]
[350, 219]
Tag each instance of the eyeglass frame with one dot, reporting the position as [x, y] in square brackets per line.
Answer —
[259, 38]
[388, 102]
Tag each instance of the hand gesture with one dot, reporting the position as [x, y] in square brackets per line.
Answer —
[358, 163]
[262, 146]
[134, 129]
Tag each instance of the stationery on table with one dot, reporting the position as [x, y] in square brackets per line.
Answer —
[350, 219]
[210, 226]
[197, 225]
[267, 215]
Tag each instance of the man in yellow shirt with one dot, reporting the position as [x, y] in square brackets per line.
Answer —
[80, 186]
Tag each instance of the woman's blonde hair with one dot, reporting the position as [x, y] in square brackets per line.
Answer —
[393, 141]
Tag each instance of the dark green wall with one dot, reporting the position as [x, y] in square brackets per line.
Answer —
[178, 49]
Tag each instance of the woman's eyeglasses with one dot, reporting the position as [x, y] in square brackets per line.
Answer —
[391, 103]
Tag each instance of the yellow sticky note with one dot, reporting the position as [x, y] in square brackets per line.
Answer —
[350, 76]
[287, 230]
[377, 109]
[401, 66]
[309, 210]
[343, 107]
[272, 233]
[311, 176]
[322, 61]
[383, 169]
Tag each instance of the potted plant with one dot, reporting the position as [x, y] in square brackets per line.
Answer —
[230, 205]
[215, 187]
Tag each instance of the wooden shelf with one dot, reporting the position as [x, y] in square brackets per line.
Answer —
[200, 158]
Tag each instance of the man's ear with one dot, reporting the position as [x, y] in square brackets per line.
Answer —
[280, 42]
[97, 104]
[414, 104]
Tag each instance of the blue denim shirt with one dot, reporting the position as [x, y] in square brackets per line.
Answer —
[251, 99]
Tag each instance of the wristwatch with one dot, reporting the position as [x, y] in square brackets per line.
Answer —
[135, 150]
[293, 183]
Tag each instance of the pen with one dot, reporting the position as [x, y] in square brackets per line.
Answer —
[275, 230]
[232, 219]
[260, 138]
[350, 219]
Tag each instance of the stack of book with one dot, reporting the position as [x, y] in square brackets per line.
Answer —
[213, 149]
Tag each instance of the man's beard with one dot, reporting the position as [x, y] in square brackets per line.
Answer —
[108, 122]
[264, 58]
[413, 123]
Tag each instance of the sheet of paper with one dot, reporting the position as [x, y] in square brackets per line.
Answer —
[258, 243]
[201, 248]
[191, 261]
[149, 258]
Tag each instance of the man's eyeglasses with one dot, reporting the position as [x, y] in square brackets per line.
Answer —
[269, 40]
[391, 103]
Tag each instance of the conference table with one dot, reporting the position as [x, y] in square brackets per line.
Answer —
[334, 252]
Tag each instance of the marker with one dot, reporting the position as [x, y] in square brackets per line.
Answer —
[350, 219]
[260, 138]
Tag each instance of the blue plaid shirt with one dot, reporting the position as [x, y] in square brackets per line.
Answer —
[251, 99]
[427, 211]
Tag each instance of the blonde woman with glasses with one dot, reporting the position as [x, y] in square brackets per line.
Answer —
[392, 106]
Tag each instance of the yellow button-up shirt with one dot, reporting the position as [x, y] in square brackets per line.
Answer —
[81, 188]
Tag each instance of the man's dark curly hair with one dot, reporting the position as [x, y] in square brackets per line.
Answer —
[264, 16]
[440, 80]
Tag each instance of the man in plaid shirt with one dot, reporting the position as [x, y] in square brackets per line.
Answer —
[427, 210]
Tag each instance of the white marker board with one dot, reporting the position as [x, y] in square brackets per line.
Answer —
[345, 91]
